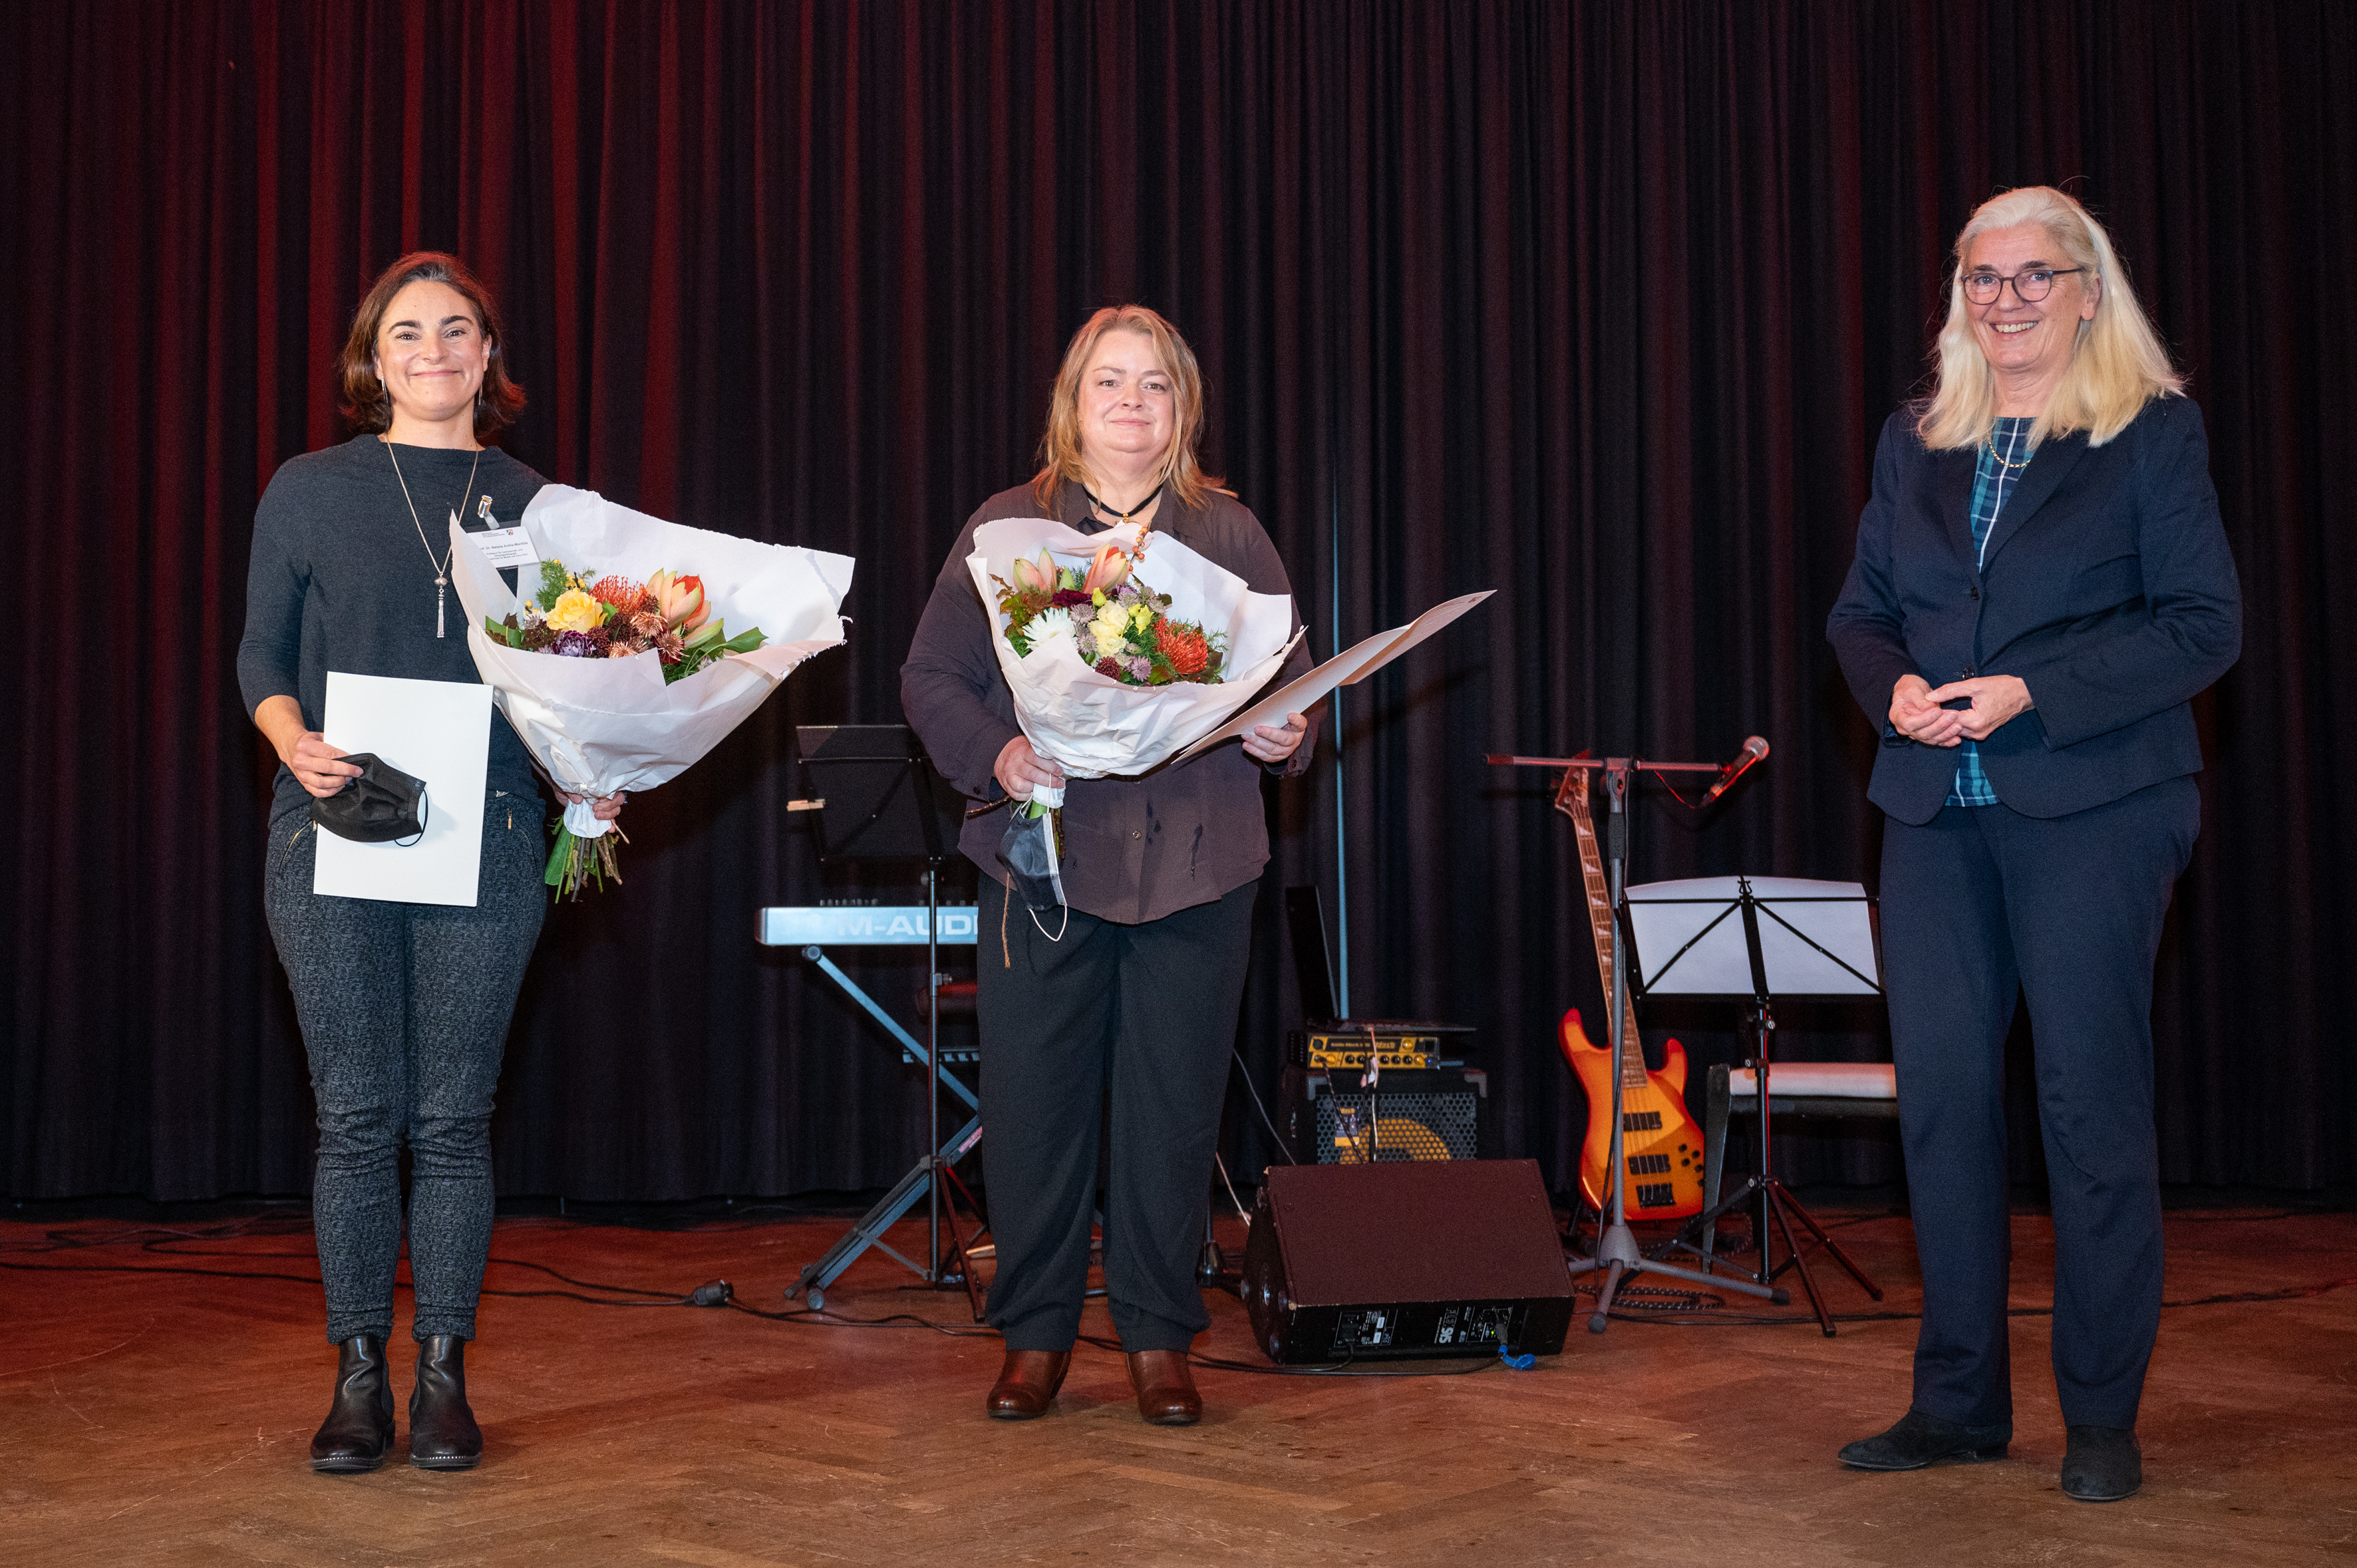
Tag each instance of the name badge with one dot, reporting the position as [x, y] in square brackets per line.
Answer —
[506, 547]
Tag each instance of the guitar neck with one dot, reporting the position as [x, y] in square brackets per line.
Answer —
[1572, 802]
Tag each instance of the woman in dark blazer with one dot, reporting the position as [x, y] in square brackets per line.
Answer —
[2042, 585]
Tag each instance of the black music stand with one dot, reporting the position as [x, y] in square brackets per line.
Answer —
[1752, 940]
[880, 799]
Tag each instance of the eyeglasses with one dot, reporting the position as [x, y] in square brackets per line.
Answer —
[2029, 287]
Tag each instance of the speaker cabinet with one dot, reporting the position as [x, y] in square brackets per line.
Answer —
[1365, 1262]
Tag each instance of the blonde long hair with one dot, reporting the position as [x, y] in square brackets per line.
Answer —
[1059, 445]
[2118, 361]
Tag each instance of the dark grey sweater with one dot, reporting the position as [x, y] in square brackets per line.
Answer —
[340, 580]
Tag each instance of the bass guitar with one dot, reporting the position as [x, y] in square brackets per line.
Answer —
[1658, 1141]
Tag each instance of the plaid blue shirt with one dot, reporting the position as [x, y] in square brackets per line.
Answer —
[2003, 457]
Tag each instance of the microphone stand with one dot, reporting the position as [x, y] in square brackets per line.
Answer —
[1617, 1255]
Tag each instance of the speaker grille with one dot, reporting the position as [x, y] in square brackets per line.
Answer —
[1416, 1126]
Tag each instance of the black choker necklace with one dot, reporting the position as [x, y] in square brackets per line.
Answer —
[1122, 516]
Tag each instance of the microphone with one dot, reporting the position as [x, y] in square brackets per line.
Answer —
[1754, 748]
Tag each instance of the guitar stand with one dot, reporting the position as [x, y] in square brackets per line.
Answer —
[1617, 1256]
[1773, 1201]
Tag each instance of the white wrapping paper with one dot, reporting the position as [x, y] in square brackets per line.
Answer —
[602, 725]
[1092, 724]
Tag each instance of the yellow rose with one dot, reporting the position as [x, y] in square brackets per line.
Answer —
[576, 611]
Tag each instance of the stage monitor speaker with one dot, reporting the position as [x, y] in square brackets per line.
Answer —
[1364, 1262]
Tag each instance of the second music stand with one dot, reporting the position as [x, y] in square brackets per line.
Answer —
[1754, 939]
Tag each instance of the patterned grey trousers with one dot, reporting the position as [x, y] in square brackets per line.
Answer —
[404, 1009]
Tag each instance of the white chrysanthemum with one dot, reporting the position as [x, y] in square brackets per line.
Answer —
[1050, 629]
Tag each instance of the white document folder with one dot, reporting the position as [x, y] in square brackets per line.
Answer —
[439, 731]
[1348, 667]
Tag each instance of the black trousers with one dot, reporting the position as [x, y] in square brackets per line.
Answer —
[1144, 1015]
[1978, 905]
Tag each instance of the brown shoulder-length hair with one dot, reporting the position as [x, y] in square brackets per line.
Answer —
[1059, 445]
[498, 401]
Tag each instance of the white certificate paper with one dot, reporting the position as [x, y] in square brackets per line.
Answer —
[439, 731]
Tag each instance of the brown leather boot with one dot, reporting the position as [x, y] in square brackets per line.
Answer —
[1166, 1387]
[1027, 1384]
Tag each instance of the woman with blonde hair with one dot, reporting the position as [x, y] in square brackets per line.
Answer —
[2042, 585]
[1134, 1003]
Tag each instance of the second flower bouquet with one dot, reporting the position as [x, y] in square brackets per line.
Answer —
[1147, 649]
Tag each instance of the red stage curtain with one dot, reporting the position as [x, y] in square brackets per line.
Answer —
[1600, 306]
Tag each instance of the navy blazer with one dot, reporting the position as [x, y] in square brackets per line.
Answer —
[2107, 586]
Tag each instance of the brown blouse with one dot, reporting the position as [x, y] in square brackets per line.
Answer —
[1134, 849]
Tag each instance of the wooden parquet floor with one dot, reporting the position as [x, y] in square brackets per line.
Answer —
[162, 1419]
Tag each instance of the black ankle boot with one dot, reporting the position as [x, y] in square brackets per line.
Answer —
[359, 1427]
[442, 1430]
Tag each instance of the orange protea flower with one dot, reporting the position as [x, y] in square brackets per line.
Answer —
[624, 594]
[1188, 650]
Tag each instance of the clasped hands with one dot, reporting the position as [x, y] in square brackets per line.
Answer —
[1020, 770]
[1916, 711]
[319, 769]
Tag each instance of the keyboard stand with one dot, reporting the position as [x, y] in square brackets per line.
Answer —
[881, 801]
[912, 1187]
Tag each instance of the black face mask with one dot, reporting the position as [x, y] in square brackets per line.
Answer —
[1029, 853]
[383, 805]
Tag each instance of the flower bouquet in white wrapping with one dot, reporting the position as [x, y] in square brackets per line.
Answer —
[614, 663]
[1120, 649]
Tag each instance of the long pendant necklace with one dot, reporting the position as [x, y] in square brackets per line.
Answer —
[441, 567]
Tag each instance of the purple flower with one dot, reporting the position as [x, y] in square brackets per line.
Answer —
[1141, 668]
[574, 645]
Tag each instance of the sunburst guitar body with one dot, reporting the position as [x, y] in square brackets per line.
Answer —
[1659, 1140]
[1660, 1144]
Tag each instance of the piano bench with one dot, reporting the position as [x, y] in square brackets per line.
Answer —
[1796, 1089]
